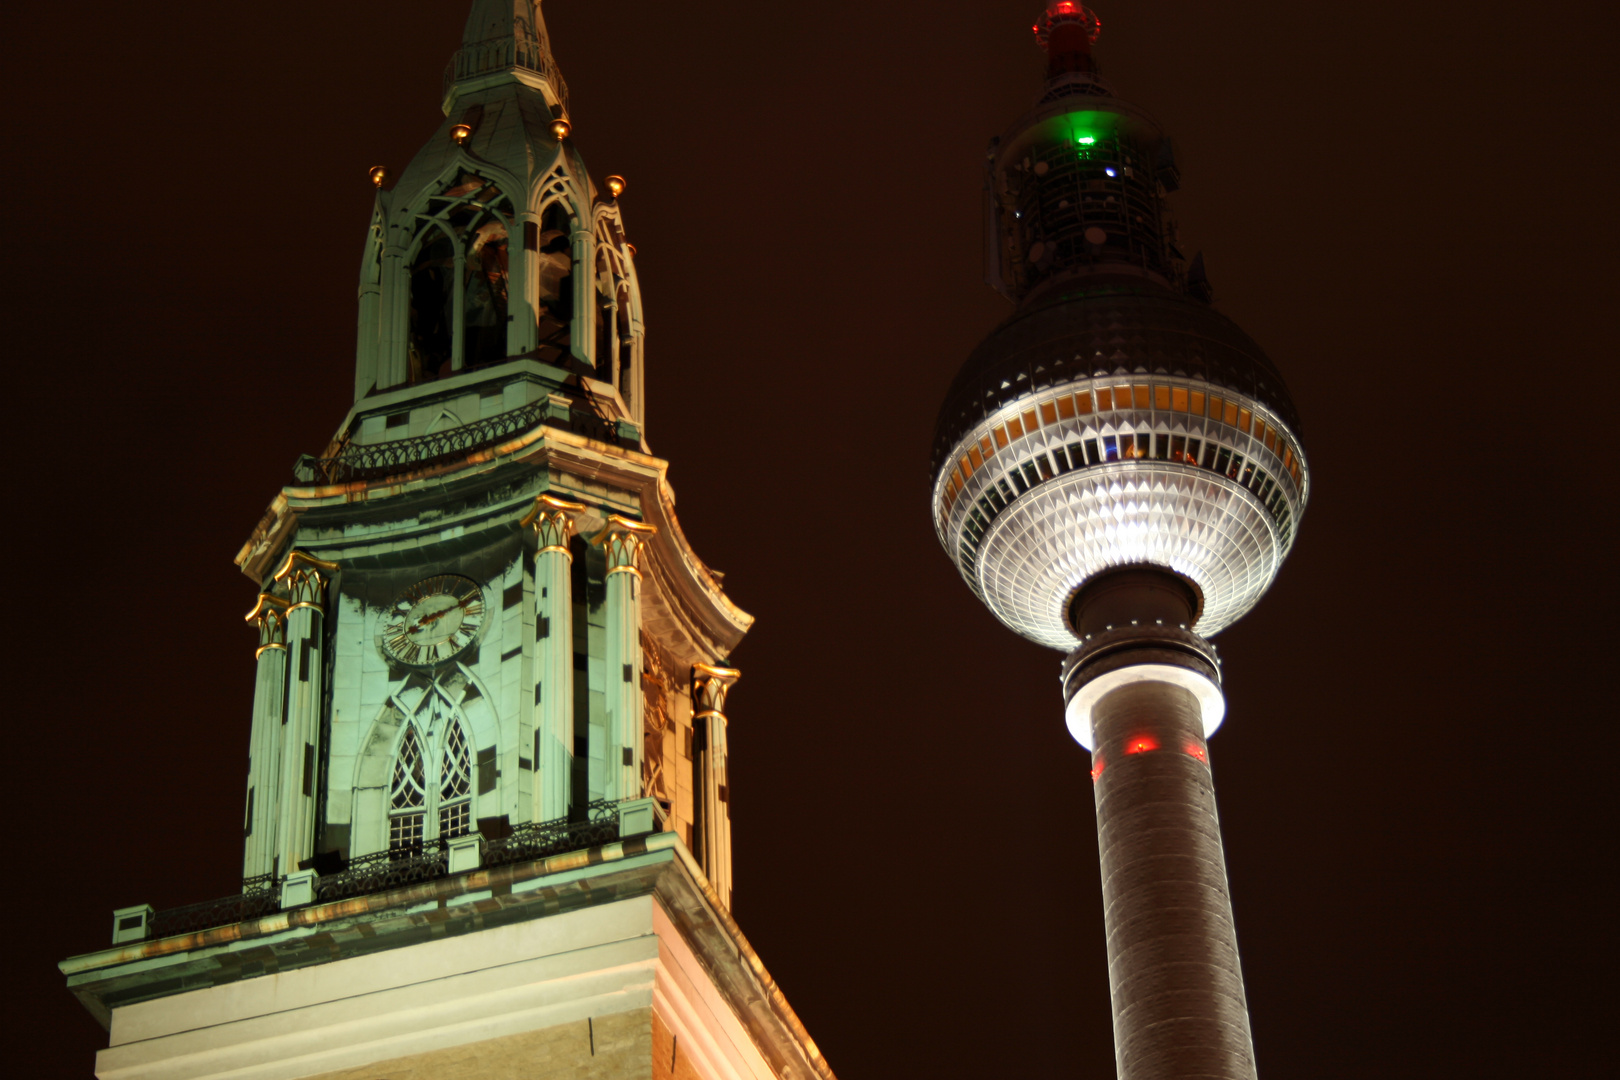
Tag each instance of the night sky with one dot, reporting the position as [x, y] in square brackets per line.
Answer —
[1411, 208]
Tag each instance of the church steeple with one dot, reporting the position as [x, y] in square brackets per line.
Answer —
[494, 246]
[489, 754]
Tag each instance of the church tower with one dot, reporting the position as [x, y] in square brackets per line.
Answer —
[486, 829]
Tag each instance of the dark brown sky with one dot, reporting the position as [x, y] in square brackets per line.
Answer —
[1412, 208]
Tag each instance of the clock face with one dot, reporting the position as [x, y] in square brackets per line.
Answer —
[433, 620]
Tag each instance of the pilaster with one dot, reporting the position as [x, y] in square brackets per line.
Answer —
[710, 685]
[552, 520]
[623, 541]
[582, 331]
[264, 747]
[305, 579]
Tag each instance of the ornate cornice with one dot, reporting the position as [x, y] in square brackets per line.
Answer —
[682, 599]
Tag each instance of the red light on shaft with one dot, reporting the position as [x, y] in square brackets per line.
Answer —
[1141, 744]
[1194, 750]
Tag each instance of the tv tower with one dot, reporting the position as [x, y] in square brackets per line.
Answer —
[1118, 474]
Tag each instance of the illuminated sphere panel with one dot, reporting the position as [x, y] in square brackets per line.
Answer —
[1126, 426]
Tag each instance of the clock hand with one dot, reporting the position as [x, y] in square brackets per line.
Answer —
[437, 615]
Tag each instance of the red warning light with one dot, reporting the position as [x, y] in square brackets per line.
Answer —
[1141, 744]
[1067, 11]
[1194, 750]
[1096, 769]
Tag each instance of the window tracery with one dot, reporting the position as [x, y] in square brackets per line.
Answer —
[460, 271]
[554, 309]
[615, 333]
[430, 793]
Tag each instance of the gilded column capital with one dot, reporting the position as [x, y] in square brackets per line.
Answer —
[623, 540]
[270, 612]
[553, 522]
[302, 574]
[710, 684]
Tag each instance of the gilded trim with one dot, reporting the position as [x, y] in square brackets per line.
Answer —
[303, 559]
[266, 602]
[550, 502]
[552, 520]
[262, 649]
[623, 540]
[710, 684]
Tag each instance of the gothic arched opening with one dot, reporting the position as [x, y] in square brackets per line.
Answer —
[484, 309]
[459, 280]
[432, 311]
[554, 309]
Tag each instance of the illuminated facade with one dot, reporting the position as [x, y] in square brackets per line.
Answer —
[487, 820]
[1118, 474]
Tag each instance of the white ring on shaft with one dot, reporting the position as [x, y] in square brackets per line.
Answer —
[1078, 711]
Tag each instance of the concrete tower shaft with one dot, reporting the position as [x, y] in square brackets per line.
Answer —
[1173, 972]
[1144, 693]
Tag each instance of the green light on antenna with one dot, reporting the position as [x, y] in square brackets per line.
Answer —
[1085, 140]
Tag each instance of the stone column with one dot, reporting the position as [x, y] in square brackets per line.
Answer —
[623, 540]
[709, 688]
[552, 520]
[1143, 693]
[264, 747]
[582, 324]
[305, 580]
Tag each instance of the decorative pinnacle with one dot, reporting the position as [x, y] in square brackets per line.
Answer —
[1053, 26]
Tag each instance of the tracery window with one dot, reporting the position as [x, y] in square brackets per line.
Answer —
[554, 245]
[460, 270]
[430, 795]
[407, 797]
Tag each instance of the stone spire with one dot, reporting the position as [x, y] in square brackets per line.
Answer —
[505, 40]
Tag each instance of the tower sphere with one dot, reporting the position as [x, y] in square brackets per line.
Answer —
[1114, 419]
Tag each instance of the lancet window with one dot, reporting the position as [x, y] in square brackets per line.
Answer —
[460, 271]
[430, 794]
[615, 341]
[555, 295]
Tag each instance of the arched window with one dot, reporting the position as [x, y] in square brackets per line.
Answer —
[555, 309]
[407, 797]
[455, 784]
[626, 345]
[430, 796]
[615, 340]
[460, 267]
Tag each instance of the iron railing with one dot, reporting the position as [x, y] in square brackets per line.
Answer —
[248, 904]
[384, 870]
[498, 54]
[540, 839]
[374, 461]
[597, 823]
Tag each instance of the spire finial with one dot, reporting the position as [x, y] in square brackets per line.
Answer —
[1065, 31]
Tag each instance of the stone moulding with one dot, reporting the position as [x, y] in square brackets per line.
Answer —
[681, 592]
